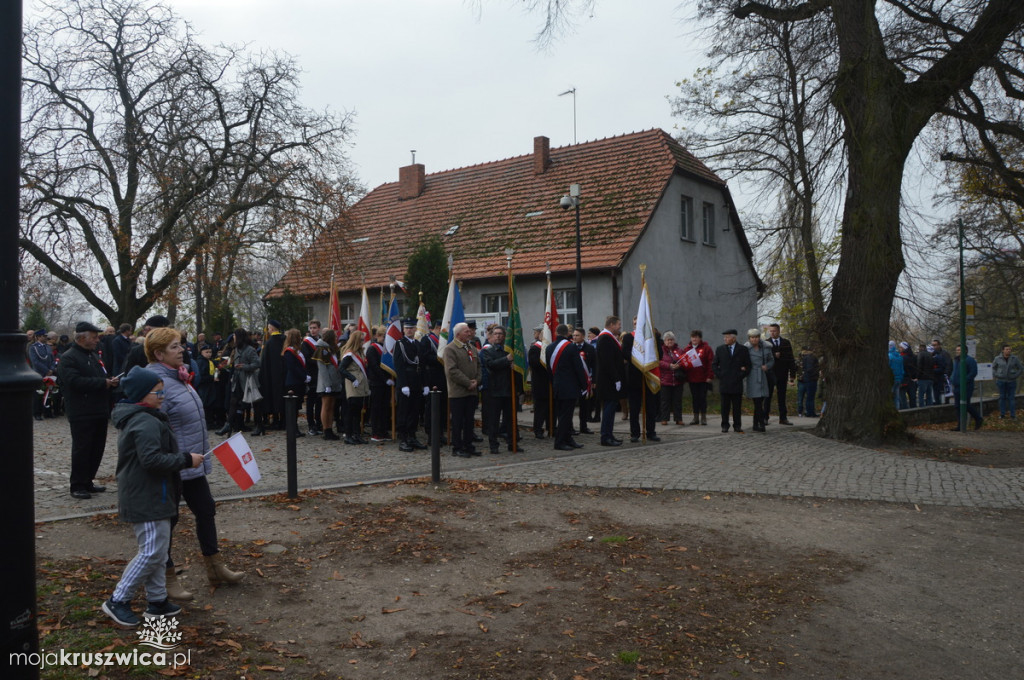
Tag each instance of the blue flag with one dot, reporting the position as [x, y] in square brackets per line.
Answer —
[391, 338]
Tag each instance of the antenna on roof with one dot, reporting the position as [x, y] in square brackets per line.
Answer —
[413, 152]
[572, 91]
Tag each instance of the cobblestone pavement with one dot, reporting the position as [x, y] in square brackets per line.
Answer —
[787, 461]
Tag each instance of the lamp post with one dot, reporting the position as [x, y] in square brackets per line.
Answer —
[572, 200]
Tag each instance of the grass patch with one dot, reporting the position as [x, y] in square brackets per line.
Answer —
[614, 539]
[628, 658]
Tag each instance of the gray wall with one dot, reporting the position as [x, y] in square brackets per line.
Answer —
[691, 284]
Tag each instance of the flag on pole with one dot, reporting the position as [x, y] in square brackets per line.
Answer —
[453, 315]
[391, 338]
[364, 315]
[237, 458]
[422, 320]
[334, 308]
[645, 347]
[514, 343]
[547, 334]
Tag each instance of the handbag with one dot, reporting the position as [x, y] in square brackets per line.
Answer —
[251, 393]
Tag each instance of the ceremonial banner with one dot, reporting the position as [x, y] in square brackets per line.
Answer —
[453, 315]
[334, 309]
[422, 321]
[364, 316]
[547, 334]
[391, 338]
[645, 347]
[237, 458]
[514, 344]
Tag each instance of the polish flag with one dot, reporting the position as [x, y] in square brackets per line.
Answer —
[236, 457]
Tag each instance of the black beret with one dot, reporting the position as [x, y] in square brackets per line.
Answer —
[158, 321]
[84, 326]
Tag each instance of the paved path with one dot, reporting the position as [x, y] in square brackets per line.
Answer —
[786, 461]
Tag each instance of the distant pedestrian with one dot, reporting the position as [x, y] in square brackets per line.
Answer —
[908, 388]
[807, 383]
[971, 368]
[925, 376]
[762, 370]
[1006, 369]
[732, 366]
[783, 371]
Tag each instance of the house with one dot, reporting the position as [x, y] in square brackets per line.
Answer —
[643, 200]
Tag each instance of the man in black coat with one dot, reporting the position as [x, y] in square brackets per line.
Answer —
[411, 390]
[272, 375]
[588, 354]
[121, 346]
[783, 371]
[381, 383]
[611, 374]
[137, 354]
[540, 383]
[569, 381]
[86, 387]
[642, 400]
[433, 378]
[498, 395]
[731, 366]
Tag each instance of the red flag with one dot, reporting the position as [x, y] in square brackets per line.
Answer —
[236, 457]
[335, 310]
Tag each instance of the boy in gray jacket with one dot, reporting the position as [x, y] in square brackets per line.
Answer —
[148, 491]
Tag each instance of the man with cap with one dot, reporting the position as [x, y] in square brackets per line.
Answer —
[272, 376]
[732, 366]
[137, 354]
[410, 392]
[86, 387]
[44, 363]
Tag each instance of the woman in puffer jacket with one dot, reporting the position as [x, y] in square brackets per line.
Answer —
[184, 409]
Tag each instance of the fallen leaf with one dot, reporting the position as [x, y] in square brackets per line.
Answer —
[385, 610]
[571, 633]
[278, 669]
[482, 627]
[412, 653]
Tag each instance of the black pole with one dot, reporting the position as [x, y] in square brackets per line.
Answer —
[435, 436]
[961, 378]
[579, 270]
[17, 383]
[291, 419]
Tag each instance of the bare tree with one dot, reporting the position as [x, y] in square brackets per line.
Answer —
[899, 63]
[141, 147]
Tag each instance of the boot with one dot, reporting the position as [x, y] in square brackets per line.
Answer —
[226, 430]
[703, 418]
[217, 572]
[696, 420]
[175, 590]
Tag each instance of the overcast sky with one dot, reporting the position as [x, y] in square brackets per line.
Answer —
[462, 82]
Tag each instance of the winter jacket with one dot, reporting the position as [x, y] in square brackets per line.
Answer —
[1007, 369]
[702, 373]
[461, 366]
[148, 463]
[184, 409]
[809, 369]
[353, 371]
[757, 381]
[671, 356]
[896, 365]
[329, 377]
[246, 363]
[925, 365]
[909, 366]
[83, 382]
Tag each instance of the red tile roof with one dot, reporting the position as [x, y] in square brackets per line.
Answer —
[500, 204]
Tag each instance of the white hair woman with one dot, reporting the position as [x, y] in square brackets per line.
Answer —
[762, 359]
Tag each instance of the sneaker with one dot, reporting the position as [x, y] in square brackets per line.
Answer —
[378, 440]
[157, 609]
[121, 613]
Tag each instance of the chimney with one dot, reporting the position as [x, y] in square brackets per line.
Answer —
[411, 181]
[541, 154]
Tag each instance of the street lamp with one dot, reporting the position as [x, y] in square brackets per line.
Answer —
[572, 200]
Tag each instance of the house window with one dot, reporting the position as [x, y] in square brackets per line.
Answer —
[309, 313]
[686, 215]
[497, 304]
[348, 314]
[709, 224]
[565, 301]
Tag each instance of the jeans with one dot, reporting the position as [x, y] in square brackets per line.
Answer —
[805, 392]
[908, 395]
[896, 393]
[1007, 397]
[924, 392]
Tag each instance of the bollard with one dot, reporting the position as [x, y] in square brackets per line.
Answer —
[291, 417]
[435, 436]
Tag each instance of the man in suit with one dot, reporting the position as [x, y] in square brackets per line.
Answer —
[589, 356]
[409, 380]
[639, 392]
[611, 373]
[783, 371]
[498, 396]
[541, 385]
[433, 378]
[462, 373]
[569, 380]
[732, 366]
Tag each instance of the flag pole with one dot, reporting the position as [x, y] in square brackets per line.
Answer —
[514, 425]
[551, 387]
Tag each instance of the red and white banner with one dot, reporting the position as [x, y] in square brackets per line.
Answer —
[364, 316]
[547, 334]
[237, 458]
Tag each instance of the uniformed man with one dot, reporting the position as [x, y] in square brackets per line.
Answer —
[411, 390]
